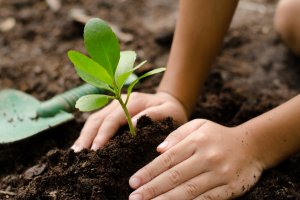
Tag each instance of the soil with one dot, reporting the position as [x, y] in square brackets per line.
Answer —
[253, 73]
[104, 174]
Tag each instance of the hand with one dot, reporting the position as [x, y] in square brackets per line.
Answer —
[102, 125]
[200, 160]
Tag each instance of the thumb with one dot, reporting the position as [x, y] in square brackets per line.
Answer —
[180, 134]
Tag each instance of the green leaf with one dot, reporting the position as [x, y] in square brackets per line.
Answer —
[130, 79]
[150, 73]
[126, 62]
[123, 78]
[125, 66]
[102, 44]
[139, 65]
[88, 66]
[91, 102]
[93, 81]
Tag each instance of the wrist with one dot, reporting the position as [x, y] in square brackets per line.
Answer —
[174, 98]
[276, 133]
[265, 146]
[252, 145]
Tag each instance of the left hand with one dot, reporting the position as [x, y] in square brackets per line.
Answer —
[200, 160]
[103, 124]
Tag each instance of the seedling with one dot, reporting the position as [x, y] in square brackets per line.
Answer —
[106, 68]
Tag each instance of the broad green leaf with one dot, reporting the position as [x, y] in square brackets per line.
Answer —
[150, 73]
[126, 62]
[102, 44]
[91, 102]
[92, 80]
[123, 78]
[130, 79]
[85, 64]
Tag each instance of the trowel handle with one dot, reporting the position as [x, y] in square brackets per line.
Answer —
[65, 101]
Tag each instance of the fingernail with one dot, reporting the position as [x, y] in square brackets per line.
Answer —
[76, 148]
[94, 147]
[134, 182]
[163, 145]
[134, 121]
[136, 196]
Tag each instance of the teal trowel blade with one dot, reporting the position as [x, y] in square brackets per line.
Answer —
[18, 116]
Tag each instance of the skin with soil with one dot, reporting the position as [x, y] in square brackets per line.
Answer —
[254, 72]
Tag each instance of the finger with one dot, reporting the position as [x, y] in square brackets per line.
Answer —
[108, 128]
[219, 193]
[113, 121]
[153, 112]
[160, 164]
[179, 134]
[91, 127]
[162, 110]
[194, 187]
[171, 178]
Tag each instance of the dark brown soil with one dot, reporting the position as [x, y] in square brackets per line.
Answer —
[253, 73]
[63, 174]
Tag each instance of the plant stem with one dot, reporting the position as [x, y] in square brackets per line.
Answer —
[123, 105]
[128, 117]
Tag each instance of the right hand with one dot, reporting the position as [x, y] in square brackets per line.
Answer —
[103, 124]
[201, 160]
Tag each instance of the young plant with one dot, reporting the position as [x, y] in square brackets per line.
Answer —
[106, 68]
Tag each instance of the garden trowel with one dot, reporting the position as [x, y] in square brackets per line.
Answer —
[22, 116]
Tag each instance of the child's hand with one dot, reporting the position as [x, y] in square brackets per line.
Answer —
[200, 160]
[102, 125]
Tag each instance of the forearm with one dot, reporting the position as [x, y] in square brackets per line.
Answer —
[275, 135]
[200, 30]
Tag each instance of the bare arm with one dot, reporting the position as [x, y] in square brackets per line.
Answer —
[200, 30]
[276, 134]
